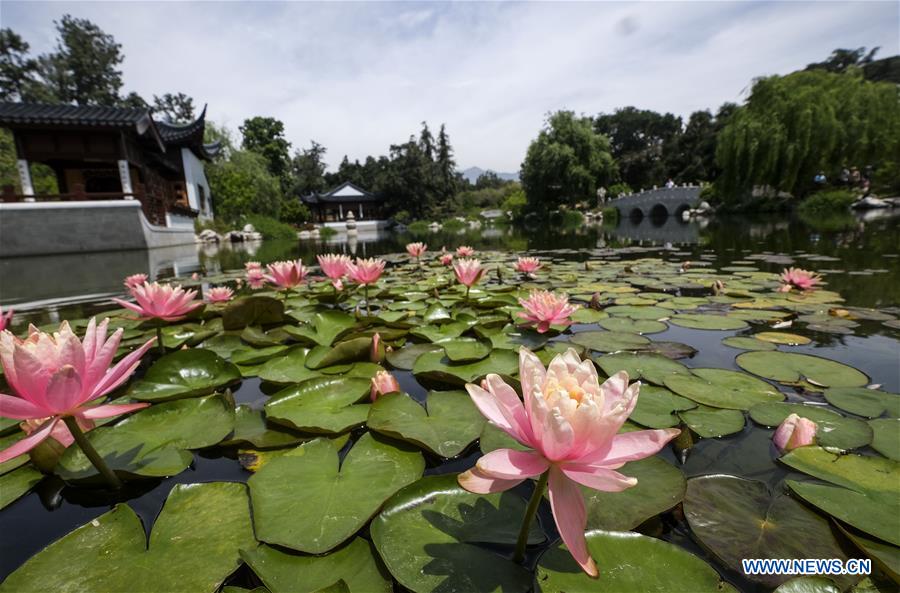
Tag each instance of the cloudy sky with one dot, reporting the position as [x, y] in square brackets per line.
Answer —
[357, 77]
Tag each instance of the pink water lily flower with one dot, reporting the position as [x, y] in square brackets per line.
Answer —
[570, 422]
[465, 251]
[5, 318]
[161, 301]
[416, 249]
[383, 383]
[468, 272]
[57, 376]
[799, 279]
[134, 280]
[446, 259]
[795, 431]
[335, 267]
[252, 265]
[219, 294]
[528, 265]
[544, 308]
[256, 278]
[365, 271]
[286, 274]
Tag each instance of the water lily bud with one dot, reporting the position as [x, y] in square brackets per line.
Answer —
[795, 432]
[383, 383]
[377, 352]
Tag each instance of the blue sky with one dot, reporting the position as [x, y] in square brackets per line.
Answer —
[357, 77]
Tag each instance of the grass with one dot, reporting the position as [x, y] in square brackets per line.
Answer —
[271, 228]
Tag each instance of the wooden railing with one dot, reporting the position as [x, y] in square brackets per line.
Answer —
[8, 194]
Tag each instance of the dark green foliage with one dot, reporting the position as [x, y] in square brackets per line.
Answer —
[293, 211]
[84, 69]
[566, 163]
[265, 136]
[176, 108]
[639, 140]
[243, 185]
[272, 228]
[827, 201]
[308, 170]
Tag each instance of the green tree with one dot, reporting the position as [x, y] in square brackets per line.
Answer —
[842, 58]
[174, 108]
[18, 71]
[794, 126]
[133, 100]
[641, 141]
[265, 136]
[308, 170]
[566, 163]
[84, 69]
[214, 133]
[242, 185]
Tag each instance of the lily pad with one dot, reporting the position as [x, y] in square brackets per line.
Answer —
[289, 367]
[451, 423]
[354, 564]
[352, 350]
[886, 556]
[635, 326]
[707, 321]
[657, 407]
[660, 487]
[405, 358]
[735, 518]
[588, 315]
[628, 562]
[250, 427]
[194, 546]
[791, 368]
[862, 401]
[721, 388]
[465, 349]
[650, 367]
[435, 366]
[184, 373]
[607, 341]
[833, 430]
[492, 438]
[862, 491]
[324, 328]
[783, 338]
[154, 442]
[321, 405]
[638, 312]
[255, 310]
[333, 506]
[808, 585]
[430, 537]
[16, 483]
[886, 437]
[713, 422]
[745, 343]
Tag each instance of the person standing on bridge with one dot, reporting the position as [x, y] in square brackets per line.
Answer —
[670, 184]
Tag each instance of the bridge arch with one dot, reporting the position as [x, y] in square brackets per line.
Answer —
[657, 203]
[636, 214]
[659, 211]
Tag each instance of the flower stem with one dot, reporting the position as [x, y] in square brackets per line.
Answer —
[468, 288]
[530, 511]
[112, 479]
[366, 290]
[159, 340]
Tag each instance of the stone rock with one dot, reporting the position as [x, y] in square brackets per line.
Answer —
[870, 203]
[248, 228]
[209, 236]
[304, 234]
[234, 237]
[434, 227]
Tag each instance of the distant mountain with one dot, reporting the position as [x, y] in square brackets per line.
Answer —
[471, 174]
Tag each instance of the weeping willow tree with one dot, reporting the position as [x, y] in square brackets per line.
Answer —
[794, 126]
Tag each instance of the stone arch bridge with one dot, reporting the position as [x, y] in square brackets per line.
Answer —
[657, 203]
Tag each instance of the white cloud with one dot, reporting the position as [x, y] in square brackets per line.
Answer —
[357, 77]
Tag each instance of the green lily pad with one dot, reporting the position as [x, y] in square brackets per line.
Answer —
[354, 564]
[465, 349]
[745, 343]
[154, 442]
[862, 401]
[492, 438]
[333, 506]
[251, 428]
[651, 312]
[673, 350]
[862, 491]
[324, 328]
[713, 422]
[886, 437]
[322, 405]
[255, 310]
[650, 367]
[833, 430]
[607, 341]
[451, 423]
[435, 366]
[657, 407]
[355, 349]
[735, 518]
[634, 326]
[627, 562]
[886, 556]
[782, 338]
[808, 585]
[224, 344]
[588, 315]
[436, 333]
[256, 356]
[708, 321]
[721, 388]
[194, 546]
[255, 336]
[428, 536]
[17, 483]
[8, 441]
[405, 358]
[660, 487]
[184, 373]
[791, 368]
[289, 367]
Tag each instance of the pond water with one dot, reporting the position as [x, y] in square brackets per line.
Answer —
[859, 258]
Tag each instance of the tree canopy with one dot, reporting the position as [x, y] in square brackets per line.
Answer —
[265, 136]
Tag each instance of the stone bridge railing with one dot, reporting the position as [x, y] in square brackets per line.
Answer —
[657, 202]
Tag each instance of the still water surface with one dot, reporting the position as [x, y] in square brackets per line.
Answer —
[858, 257]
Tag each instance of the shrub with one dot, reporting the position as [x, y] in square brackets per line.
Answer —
[419, 227]
[515, 203]
[271, 228]
[402, 217]
[827, 201]
[617, 189]
[293, 211]
[453, 225]
[326, 232]
[610, 214]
